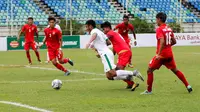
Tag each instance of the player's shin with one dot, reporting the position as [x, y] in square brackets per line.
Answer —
[38, 55]
[149, 81]
[28, 56]
[60, 67]
[180, 75]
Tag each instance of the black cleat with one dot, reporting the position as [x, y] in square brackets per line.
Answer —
[135, 86]
[129, 86]
[71, 62]
[189, 88]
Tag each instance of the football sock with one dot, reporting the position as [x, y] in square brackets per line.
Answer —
[129, 82]
[120, 78]
[28, 56]
[60, 67]
[38, 55]
[149, 82]
[65, 60]
[180, 75]
[124, 73]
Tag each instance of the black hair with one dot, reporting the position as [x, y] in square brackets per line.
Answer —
[162, 16]
[125, 16]
[106, 24]
[51, 18]
[91, 22]
[30, 18]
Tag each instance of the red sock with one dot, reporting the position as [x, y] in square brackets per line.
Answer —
[150, 82]
[38, 55]
[180, 75]
[28, 56]
[60, 67]
[129, 82]
[65, 60]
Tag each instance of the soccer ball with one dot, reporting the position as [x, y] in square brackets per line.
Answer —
[56, 84]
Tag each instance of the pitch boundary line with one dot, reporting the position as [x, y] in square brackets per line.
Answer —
[25, 106]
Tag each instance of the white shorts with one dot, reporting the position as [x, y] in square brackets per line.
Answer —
[107, 59]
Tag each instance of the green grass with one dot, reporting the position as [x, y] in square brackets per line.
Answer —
[169, 94]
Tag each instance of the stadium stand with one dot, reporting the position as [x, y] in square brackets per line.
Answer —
[21, 10]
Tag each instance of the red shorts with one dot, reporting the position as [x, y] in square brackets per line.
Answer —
[55, 54]
[124, 58]
[168, 62]
[29, 45]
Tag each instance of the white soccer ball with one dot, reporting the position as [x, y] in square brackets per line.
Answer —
[56, 84]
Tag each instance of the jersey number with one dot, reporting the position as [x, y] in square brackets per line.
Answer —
[168, 38]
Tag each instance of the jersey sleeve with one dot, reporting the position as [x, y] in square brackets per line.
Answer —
[118, 26]
[23, 28]
[159, 33]
[131, 27]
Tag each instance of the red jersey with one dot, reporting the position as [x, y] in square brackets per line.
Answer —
[29, 31]
[124, 29]
[118, 42]
[165, 32]
[53, 37]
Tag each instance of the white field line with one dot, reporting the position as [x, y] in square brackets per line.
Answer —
[54, 69]
[196, 53]
[48, 81]
[25, 106]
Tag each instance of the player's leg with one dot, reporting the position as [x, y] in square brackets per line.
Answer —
[53, 58]
[27, 47]
[130, 60]
[153, 65]
[34, 47]
[170, 64]
[123, 60]
[63, 60]
[48, 60]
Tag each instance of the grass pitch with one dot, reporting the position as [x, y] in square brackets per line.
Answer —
[87, 89]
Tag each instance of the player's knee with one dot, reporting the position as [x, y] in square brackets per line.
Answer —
[110, 78]
[54, 62]
[149, 70]
[61, 61]
[174, 70]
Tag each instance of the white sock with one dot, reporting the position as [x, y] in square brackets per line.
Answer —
[124, 73]
[120, 78]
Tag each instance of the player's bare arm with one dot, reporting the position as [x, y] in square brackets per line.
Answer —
[20, 32]
[61, 41]
[108, 42]
[134, 36]
[173, 41]
[36, 33]
[44, 41]
[162, 45]
[94, 36]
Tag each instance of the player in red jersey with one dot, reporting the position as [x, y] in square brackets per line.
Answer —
[122, 49]
[30, 29]
[53, 40]
[123, 29]
[164, 55]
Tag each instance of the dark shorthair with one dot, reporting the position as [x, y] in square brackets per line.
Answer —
[162, 16]
[125, 16]
[91, 22]
[106, 24]
[30, 18]
[51, 18]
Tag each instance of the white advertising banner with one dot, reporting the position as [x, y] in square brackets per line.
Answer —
[149, 40]
[3, 43]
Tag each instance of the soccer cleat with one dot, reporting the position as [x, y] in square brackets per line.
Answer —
[135, 86]
[129, 86]
[29, 63]
[138, 75]
[67, 73]
[130, 65]
[189, 88]
[40, 61]
[71, 62]
[146, 92]
[47, 62]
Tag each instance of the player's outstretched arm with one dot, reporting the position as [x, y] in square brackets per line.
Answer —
[108, 42]
[173, 41]
[162, 44]
[18, 37]
[94, 35]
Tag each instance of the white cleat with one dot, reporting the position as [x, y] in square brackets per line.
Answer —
[138, 75]
[146, 93]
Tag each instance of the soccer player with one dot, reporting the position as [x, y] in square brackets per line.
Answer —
[122, 49]
[58, 27]
[99, 42]
[123, 29]
[53, 40]
[164, 55]
[29, 30]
